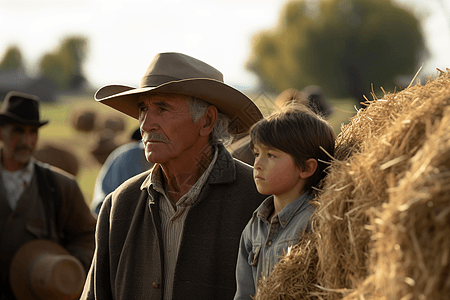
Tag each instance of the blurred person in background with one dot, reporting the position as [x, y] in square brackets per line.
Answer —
[311, 96]
[123, 163]
[173, 232]
[36, 201]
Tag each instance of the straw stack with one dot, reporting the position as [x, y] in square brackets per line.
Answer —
[383, 222]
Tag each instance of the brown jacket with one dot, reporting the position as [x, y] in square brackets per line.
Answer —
[28, 221]
[128, 263]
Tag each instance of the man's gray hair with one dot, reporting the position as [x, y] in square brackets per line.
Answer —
[220, 134]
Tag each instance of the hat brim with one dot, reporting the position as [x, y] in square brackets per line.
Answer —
[7, 117]
[241, 110]
[21, 262]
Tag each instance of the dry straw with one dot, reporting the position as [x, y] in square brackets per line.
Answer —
[383, 221]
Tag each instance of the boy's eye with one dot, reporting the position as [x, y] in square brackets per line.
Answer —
[270, 155]
[255, 154]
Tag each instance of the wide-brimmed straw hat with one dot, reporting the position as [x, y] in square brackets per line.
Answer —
[182, 74]
[42, 269]
[20, 108]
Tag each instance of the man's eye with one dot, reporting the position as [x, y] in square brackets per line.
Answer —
[142, 112]
[18, 130]
[162, 108]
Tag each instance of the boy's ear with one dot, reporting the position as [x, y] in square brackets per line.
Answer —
[309, 169]
[209, 120]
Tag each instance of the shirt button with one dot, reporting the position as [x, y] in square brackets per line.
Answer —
[155, 285]
[269, 243]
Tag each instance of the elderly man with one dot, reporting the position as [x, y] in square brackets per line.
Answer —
[36, 201]
[173, 232]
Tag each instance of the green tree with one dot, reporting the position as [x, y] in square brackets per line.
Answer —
[64, 67]
[12, 59]
[345, 46]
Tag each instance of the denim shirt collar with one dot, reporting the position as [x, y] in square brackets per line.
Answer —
[286, 214]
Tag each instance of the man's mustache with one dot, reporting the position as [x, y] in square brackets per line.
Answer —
[151, 136]
[22, 148]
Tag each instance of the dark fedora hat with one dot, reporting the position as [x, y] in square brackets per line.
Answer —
[20, 108]
[178, 73]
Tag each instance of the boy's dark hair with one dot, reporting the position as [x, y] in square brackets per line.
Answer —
[298, 131]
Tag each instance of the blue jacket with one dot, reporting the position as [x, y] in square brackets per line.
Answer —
[123, 163]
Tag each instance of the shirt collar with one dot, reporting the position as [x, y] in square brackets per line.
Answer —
[154, 181]
[287, 213]
[26, 174]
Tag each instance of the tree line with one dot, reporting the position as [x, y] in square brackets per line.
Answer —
[63, 67]
[348, 47]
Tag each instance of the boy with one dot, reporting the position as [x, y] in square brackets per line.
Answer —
[289, 164]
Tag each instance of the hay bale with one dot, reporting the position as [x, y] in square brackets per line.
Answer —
[57, 156]
[83, 120]
[411, 249]
[105, 144]
[373, 223]
[116, 123]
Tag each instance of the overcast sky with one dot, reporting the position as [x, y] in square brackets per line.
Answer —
[125, 35]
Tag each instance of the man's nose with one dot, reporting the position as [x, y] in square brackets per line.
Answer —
[28, 138]
[148, 122]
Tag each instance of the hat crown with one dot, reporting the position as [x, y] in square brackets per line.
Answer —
[21, 108]
[171, 66]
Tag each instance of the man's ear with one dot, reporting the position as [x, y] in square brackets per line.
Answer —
[209, 119]
[309, 169]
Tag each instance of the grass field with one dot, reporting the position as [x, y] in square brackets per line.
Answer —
[59, 131]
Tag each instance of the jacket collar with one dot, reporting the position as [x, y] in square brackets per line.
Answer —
[224, 170]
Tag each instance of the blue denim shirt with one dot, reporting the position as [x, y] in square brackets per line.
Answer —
[263, 243]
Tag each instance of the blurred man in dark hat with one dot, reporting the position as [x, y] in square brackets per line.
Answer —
[173, 232]
[36, 201]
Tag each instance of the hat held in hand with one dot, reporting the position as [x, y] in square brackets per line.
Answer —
[42, 269]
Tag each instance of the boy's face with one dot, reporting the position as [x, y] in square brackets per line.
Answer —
[275, 172]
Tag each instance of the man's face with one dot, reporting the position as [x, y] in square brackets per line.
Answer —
[19, 142]
[168, 131]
